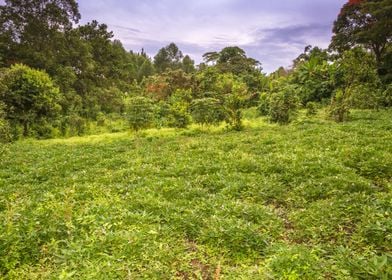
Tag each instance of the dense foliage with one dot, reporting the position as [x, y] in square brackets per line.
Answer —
[140, 112]
[30, 98]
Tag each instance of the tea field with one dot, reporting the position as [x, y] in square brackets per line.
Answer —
[311, 200]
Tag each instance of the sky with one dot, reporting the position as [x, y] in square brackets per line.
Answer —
[271, 31]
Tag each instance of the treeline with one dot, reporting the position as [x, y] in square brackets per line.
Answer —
[58, 76]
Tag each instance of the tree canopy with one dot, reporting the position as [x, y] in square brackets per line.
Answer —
[366, 23]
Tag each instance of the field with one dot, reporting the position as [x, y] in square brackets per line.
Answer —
[311, 200]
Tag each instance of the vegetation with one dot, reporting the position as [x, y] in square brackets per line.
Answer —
[207, 111]
[237, 174]
[303, 201]
[140, 113]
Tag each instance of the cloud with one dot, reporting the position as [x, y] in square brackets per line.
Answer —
[273, 32]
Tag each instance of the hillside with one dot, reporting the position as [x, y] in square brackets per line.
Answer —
[310, 200]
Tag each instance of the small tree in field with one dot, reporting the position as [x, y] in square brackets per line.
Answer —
[340, 106]
[234, 94]
[140, 113]
[283, 105]
[29, 95]
[233, 105]
[207, 111]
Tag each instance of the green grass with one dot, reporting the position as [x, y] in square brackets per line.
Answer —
[311, 200]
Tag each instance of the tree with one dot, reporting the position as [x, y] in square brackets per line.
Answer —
[311, 53]
[232, 60]
[168, 57]
[313, 77]
[207, 111]
[283, 104]
[140, 112]
[188, 65]
[357, 77]
[31, 31]
[339, 109]
[235, 61]
[29, 95]
[366, 23]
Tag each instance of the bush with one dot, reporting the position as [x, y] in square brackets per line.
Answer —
[233, 104]
[5, 131]
[311, 109]
[179, 116]
[283, 105]
[101, 119]
[207, 111]
[339, 109]
[387, 96]
[74, 125]
[365, 96]
[140, 113]
[162, 114]
[264, 107]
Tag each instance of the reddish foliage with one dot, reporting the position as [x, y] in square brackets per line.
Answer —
[354, 2]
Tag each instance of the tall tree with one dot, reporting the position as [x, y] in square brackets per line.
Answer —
[188, 64]
[167, 58]
[232, 60]
[364, 22]
[30, 30]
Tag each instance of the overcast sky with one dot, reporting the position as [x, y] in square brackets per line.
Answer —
[272, 31]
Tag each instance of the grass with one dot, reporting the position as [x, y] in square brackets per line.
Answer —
[311, 200]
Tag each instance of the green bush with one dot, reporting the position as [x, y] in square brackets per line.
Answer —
[75, 125]
[5, 131]
[387, 96]
[365, 96]
[162, 114]
[179, 116]
[101, 119]
[233, 105]
[207, 111]
[311, 109]
[283, 105]
[264, 107]
[339, 109]
[140, 113]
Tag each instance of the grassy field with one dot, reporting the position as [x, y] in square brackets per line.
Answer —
[311, 200]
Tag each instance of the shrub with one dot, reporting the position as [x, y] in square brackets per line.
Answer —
[140, 112]
[283, 105]
[263, 107]
[207, 111]
[387, 96]
[233, 104]
[101, 119]
[5, 132]
[179, 116]
[311, 109]
[364, 96]
[75, 124]
[339, 109]
[162, 114]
